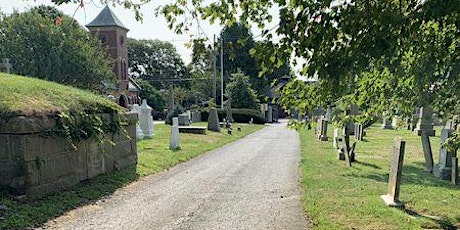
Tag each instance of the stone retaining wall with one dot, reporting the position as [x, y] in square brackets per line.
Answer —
[38, 165]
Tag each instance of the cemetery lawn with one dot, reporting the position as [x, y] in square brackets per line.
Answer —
[154, 156]
[339, 197]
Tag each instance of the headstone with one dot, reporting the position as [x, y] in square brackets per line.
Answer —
[139, 132]
[184, 119]
[196, 116]
[228, 110]
[213, 120]
[146, 119]
[395, 122]
[269, 116]
[335, 143]
[263, 108]
[386, 123]
[444, 168]
[454, 177]
[189, 115]
[275, 114]
[5, 65]
[251, 121]
[426, 145]
[329, 114]
[359, 132]
[394, 181]
[424, 122]
[323, 134]
[174, 143]
[352, 110]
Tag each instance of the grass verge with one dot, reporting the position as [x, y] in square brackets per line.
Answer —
[340, 197]
[154, 156]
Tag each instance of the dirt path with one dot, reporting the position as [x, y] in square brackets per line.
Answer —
[249, 184]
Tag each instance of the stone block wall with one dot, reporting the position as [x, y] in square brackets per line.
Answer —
[37, 165]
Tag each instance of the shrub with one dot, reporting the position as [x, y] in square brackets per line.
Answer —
[239, 115]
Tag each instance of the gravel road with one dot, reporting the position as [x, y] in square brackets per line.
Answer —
[252, 183]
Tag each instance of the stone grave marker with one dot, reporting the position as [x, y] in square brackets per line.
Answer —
[426, 145]
[444, 168]
[424, 122]
[394, 181]
[386, 123]
[213, 120]
[139, 132]
[228, 110]
[174, 143]
[323, 131]
[184, 119]
[359, 132]
[5, 65]
[454, 177]
[146, 119]
[335, 142]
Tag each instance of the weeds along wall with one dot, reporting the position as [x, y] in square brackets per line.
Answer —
[35, 164]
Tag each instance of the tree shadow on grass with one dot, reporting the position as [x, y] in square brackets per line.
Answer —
[411, 175]
[444, 223]
[374, 166]
[34, 213]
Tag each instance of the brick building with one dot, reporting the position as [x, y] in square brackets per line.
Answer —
[113, 34]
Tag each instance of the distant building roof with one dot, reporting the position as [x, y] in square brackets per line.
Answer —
[106, 18]
[133, 86]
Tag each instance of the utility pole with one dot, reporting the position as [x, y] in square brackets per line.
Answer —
[214, 68]
[221, 72]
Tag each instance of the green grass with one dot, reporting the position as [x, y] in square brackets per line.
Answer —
[31, 96]
[340, 197]
[154, 156]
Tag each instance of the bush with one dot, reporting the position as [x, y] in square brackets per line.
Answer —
[178, 110]
[239, 115]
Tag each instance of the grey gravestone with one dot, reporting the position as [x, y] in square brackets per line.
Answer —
[174, 143]
[146, 119]
[359, 132]
[395, 122]
[323, 131]
[269, 116]
[228, 110]
[454, 176]
[386, 122]
[139, 132]
[427, 152]
[184, 119]
[444, 168]
[328, 115]
[424, 122]
[5, 65]
[213, 120]
[394, 181]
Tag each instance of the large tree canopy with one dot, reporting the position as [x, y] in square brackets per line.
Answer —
[46, 44]
[156, 61]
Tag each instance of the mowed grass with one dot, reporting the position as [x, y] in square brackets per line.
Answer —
[154, 156]
[340, 197]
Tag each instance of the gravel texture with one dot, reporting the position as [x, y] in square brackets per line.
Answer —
[252, 183]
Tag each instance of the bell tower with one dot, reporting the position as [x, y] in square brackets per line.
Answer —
[113, 35]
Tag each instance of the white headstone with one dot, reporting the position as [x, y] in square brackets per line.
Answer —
[174, 143]
[139, 133]
[146, 119]
[336, 138]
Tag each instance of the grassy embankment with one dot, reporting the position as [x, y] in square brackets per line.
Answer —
[28, 96]
[340, 197]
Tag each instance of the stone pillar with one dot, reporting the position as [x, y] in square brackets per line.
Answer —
[139, 133]
[174, 143]
[5, 65]
[395, 121]
[424, 122]
[146, 119]
[444, 168]
[335, 142]
[228, 110]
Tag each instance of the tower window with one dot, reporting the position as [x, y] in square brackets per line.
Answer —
[103, 38]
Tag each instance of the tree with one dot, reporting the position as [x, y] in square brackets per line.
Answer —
[240, 92]
[44, 43]
[157, 62]
[152, 95]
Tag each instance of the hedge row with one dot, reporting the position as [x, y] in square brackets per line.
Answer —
[239, 115]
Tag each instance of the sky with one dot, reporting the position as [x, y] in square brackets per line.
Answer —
[150, 28]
